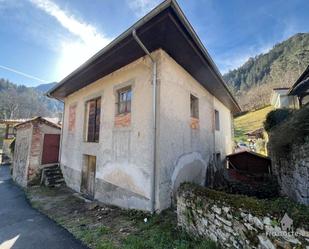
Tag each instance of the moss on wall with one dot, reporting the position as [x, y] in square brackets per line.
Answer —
[203, 197]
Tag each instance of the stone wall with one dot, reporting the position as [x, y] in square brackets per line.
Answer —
[292, 171]
[237, 221]
[21, 154]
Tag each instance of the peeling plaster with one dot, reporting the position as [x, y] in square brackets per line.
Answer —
[127, 176]
[196, 164]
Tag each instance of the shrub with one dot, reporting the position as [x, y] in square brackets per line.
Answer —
[276, 117]
[294, 130]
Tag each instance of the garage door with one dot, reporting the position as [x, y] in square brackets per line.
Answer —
[50, 148]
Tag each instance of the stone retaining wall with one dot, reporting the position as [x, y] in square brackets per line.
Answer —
[232, 227]
[292, 171]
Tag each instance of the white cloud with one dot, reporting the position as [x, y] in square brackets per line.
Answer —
[73, 52]
[142, 7]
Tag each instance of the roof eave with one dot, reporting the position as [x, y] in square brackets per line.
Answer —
[299, 80]
[164, 5]
[114, 42]
[187, 24]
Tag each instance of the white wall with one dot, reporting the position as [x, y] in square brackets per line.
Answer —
[124, 155]
[280, 99]
[184, 153]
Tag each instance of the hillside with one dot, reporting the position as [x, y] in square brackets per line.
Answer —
[25, 102]
[280, 67]
[249, 122]
[43, 88]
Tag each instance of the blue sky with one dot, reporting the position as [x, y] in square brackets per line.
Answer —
[44, 40]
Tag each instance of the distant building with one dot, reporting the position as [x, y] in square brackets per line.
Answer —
[300, 89]
[280, 98]
[36, 147]
[256, 134]
[8, 137]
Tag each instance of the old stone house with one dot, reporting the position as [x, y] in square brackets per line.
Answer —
[146, 113]
[36, 147]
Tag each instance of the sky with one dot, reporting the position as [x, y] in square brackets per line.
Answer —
[42, 41]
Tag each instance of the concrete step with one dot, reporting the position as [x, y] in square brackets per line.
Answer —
[52, 176]
[55, 166]
[58, 172]
[53, 181]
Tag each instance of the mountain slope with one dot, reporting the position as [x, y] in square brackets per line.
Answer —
[249, 122]
[280, 67]
[26, 102]
[45, 87]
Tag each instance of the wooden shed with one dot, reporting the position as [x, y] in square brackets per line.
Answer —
[248, 165]
[36, 147]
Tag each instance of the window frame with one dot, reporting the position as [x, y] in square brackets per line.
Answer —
[194, 106]
[217, 120]
[95, 136]
[127, 103]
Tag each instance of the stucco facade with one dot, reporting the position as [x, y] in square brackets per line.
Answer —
[185, 152]
[27, 164]
[124, 154]
[281, 99]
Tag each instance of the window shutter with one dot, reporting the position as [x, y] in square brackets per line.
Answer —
[91, 120]
[217, 120]
[97, 120]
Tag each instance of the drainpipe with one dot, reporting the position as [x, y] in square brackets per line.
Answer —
[154, 108]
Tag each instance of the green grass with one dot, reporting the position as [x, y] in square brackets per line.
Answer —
[161, 232]
[249, 122]
[116, 229]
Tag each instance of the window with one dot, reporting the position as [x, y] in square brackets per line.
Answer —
[72, 118]
[93, 111]
[124, 100]
[217, 120]
[194, 106]
[218, 159]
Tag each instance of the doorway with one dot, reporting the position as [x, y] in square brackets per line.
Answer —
[50, 152]
[88, 176]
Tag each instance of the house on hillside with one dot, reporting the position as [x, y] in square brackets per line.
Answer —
[280, 98]
[146, 113]
[300, 89]
[36, 147]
